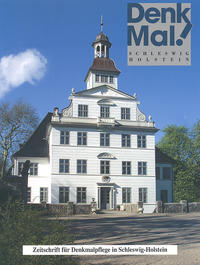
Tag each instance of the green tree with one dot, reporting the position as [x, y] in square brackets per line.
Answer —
[184, 147]
[195, 135]
[17, 122]
[176, 142]
[20, 226]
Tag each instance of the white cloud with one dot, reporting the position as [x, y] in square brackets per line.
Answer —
[27, 66]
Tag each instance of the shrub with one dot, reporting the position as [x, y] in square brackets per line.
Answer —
[22, 226]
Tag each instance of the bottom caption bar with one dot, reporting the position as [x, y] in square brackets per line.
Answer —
[100, 250]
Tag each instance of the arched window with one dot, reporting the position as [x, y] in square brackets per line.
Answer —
[102, 48]
[98, 49]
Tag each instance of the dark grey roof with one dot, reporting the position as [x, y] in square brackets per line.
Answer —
[37, 144]
[103, 65]
[163, 158]
[101, 37]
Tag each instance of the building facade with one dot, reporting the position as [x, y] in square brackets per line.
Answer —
[100, 148]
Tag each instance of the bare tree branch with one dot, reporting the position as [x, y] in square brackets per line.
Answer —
[17, 122]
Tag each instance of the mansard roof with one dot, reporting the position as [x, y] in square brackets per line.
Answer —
[37, 144]
[161, 157]
[103, 65]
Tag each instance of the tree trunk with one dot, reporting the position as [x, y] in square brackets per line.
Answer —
[3, 169]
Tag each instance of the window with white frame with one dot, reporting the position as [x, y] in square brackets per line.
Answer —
[96, 78]
[105, 167]
[104, 78]
[33, 171]
[142, 168]
[83, 110]
[141, 141]
[111, 79]
[28, 194]
[104, 139]
[126, 195]
[44, 194]
[125, 113]
[82, 166]
[63, 165]
[143, 195]
[63, 194]
[105, 112]
[81, 138]
[81, 195]
[20, 167]
[126, 140]
[126, 167]
[64, 137]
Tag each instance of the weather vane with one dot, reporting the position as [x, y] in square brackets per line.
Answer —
[101, 23]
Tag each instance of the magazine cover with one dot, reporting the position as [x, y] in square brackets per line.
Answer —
[99, 132]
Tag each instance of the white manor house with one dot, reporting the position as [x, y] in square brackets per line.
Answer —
[100, 148]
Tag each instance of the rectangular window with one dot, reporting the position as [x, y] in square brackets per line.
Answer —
[104, 139]
[20, 167]
[105, 112]
[63, 194]
[106, 79]
[81, 195]
[44, 194]
[164, 196]
[81, 138]
[125, 113]
[126, 140]
[82, 166]
[142, 168]
[28, 194]
[63, 165]
[126, 167]
[111, 79]
[126, 195]
[83, 110]
[105, 167]
[102, 78]
[141, 141]
[64, 137]
[166, 173]
[97, 78]
[157, 172]
[143, 195]
[33, 171]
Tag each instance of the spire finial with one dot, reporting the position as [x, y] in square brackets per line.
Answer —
[101, 23]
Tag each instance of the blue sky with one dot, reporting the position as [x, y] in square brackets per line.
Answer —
[61, 32]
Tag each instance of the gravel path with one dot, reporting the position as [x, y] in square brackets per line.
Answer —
[181, 230]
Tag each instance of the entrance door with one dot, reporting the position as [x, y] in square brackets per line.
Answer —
[105, 198]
